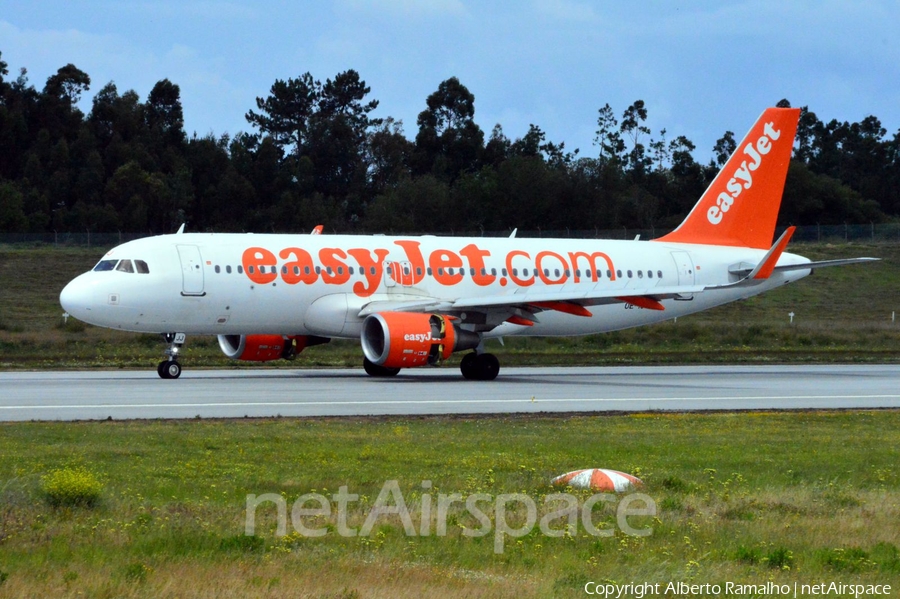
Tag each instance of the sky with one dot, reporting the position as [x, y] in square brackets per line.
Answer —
[701, 68]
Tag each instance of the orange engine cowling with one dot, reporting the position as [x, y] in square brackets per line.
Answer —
[265, 348]
[407, 340]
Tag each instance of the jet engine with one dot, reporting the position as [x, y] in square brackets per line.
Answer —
[264, 348]
[407, 340]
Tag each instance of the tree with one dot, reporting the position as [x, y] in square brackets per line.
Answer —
[67, 84]
[607, 135]
[724, 148]
[448, 142]
[286, 112]
[164, 115]
[631, 126]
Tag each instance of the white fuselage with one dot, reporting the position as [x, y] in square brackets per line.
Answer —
[226, 284]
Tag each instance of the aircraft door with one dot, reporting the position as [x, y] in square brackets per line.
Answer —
[398, 272]
[191, 270]
[685, 268]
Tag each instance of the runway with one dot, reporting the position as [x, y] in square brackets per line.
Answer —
[96, 395]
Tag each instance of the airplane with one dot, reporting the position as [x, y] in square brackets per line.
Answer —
[412, 301]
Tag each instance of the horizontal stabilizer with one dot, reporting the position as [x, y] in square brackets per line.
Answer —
[808, 265]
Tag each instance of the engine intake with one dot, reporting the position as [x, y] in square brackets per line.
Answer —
[408, 340]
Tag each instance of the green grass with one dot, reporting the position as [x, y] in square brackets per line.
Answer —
[747, 498]
[841, 314]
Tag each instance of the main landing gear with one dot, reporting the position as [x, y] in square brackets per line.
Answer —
[170, 368]
[480, 367]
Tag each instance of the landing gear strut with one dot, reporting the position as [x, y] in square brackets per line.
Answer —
[479, 367]
[170, 368]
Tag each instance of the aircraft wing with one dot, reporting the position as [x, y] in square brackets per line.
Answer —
[521, 307]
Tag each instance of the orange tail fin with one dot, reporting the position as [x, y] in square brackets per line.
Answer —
[741, 205]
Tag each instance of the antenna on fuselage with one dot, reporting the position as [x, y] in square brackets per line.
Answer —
[513, 234]
[180, 229]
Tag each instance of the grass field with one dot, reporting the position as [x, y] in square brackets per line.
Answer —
[787, 497]
[841, 314]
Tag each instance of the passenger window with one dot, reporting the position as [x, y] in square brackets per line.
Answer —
[125, 266]
[228, 269]
[503, 272]
[608, 274]
[141, 267]
[350, 270]
[372, 270]
[296, 271]
[250, 269]
[640, 274]
[284, 270]
[649, 274]
[629, 274]
[556, 272]
[619, 274]
[105, 265]
[418, 271]
[340, 270]
[658, 274]
[578, 273]
[306, 270]
[599, 274]
[493, 272]
[218, 270]
[240, 269]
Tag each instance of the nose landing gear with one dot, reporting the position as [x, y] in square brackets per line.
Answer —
[170, 368]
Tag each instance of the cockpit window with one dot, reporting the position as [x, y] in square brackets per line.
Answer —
[125, 266]
[104, 265]
[141, 267]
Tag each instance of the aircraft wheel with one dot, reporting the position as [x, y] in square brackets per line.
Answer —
[373, 369]
[169, 369]
[488, 367]
[480, 367]
[469, 366]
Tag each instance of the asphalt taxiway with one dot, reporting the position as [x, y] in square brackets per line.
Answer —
[95, 395]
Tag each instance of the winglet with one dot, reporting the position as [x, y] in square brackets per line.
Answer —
[741, 205]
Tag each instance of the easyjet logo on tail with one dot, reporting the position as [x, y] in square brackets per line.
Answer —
[743, 175]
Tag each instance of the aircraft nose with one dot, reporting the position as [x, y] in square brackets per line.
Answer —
[75, 298]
